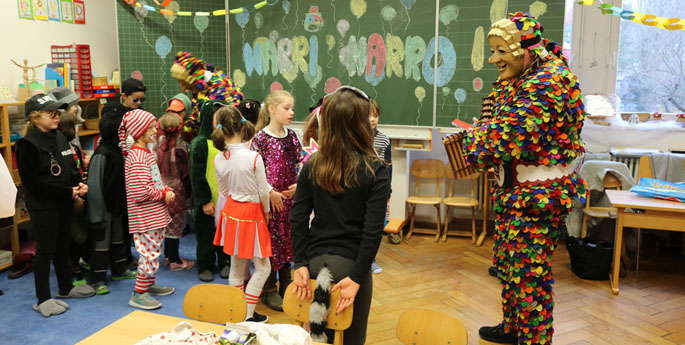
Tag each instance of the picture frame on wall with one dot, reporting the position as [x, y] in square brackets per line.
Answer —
[53, 10]
[67, 11]
[40, 10]
[25, 9]
[79, 12]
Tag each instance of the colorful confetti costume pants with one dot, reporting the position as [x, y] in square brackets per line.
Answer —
[149, 246]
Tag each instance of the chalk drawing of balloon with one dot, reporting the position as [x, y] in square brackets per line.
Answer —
[286, 6]
[273, 35]
[201, 23]
[408, 3]
[275, 86]
[332, 84]
[460, 95]
[538, 8]
[173, 6]
[163, 46]
[498, 10]
[137, 75]
[477, 84]
[330, 41]
[239, 78]
[358, 7]
[420, 93]
[478, 49]
[449, 14]
[242, 18]
[445, 91]
[140, 12]
[342, 26]
[258, 20]
[388, 13]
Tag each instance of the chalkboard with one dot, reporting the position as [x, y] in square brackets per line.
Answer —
[384, 47]
[149, 41]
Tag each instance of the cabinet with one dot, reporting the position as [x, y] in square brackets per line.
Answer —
[7, 147]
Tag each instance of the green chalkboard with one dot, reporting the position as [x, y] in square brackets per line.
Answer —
[144, 37]
[272, 48]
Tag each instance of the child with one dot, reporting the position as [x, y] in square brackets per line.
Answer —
[64, 95]
[106, 207]
[173, 163]
[381, 145]
[242, 229]
[281, 151]
[249, 108]
[147, 199]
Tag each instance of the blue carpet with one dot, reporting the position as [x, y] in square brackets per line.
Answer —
[22, 325]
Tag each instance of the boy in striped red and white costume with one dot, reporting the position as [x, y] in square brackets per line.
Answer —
[147, 198]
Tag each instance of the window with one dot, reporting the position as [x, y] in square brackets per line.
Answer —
[650, 73]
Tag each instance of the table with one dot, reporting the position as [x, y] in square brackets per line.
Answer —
[127, 330]
[658, 214]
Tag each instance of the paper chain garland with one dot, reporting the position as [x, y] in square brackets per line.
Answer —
[216, 13]
[646, 19]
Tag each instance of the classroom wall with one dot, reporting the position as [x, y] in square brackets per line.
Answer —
[31, 39]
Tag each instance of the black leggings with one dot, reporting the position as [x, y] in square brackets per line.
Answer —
[52, 230]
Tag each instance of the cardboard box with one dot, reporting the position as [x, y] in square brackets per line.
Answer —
[99, 80]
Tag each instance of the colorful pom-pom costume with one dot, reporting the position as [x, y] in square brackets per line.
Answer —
[532, 142]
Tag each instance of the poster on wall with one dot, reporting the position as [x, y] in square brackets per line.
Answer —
[67, 10]
[53, 10]
[40, 10]
[25, 9]
[79, 12]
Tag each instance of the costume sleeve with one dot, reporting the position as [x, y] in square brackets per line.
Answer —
[299, 218]
[262, 185]
[95, 207]
[139, 184]
[202, 194]
[374, 216]
[28, 163]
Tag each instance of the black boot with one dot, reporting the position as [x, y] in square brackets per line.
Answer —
[496, 334]
[492, 270]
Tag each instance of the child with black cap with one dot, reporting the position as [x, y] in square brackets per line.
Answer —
[51, 180]
[132, 93]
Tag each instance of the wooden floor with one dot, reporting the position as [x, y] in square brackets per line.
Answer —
[452, 278]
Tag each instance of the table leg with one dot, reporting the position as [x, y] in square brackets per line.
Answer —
[618, 240]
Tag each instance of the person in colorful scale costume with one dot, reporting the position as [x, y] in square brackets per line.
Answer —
[210, 89]
[532, 142]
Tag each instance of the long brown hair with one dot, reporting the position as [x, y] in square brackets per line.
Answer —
[346, 142]
[67, 125]
[170, 126]
[311, 128]
[229, 122]
[273, 99]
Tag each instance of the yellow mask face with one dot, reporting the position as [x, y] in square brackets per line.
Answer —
[508, 65]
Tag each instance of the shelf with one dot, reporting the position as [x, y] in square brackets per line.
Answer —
[88, 132]
[22, 220]
[2, 146]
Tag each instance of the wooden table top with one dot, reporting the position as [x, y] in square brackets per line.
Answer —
[621, 198]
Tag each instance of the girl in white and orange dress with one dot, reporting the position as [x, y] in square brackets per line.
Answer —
[242, 228]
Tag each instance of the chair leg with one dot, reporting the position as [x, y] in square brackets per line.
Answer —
[583, 231]
[437, 229]
[338, 338]
[637, 255]
[447, 223]
[473, 224]
[411, 221]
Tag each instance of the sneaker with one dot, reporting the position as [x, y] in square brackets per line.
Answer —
[144, 301]
[257, 317]
[273, 300]
[100, 288]
[206, 276]
[184, 265]
[160, 290]
[496, 334]
[128, 274]
[375, 268]
[225, 271]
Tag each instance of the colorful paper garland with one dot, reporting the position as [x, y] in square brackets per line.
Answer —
[222, 12]
[642, 18]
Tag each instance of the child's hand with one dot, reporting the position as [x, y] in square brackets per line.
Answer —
[74, 192]
[208, 208]
[301, 287]
[276, 200]
[290, 191]
[82, 189]
[169, 197]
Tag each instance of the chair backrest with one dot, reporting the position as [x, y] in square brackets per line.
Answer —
[427, 168]
[427, 327]
[217, 303]
[449, 173]
[645, 169]
[299, 310]
[610, 182]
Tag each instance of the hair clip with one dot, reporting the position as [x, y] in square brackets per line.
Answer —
[219, 126]
[242, 120]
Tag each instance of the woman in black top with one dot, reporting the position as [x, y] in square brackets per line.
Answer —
[347, 187]
[51, 182]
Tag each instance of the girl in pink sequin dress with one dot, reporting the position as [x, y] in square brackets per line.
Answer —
[281, 151]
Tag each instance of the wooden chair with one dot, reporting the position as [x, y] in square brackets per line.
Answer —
[461, 201]
[299, 310]
[427, 327]
[589, 212]
[426, 168]
[217, 303]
